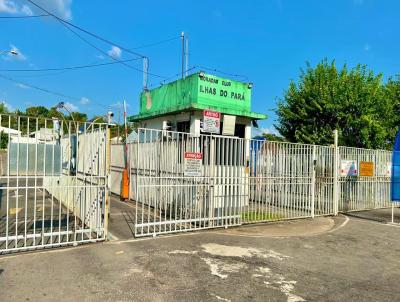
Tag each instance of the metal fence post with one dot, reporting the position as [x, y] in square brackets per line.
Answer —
[335, 173]
[108, 181]
[314, 161]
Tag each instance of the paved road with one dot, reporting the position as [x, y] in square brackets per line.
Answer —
[347, 259]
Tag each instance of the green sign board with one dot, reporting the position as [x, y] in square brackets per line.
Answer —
[216, 91]
[198, 91]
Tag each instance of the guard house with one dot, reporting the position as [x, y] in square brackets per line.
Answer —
[182, 105]
[188, 170]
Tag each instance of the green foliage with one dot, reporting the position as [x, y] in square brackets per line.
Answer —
[3, 140]
[3, 108]
[79, 117]
[37, 111]
[353, 101]
[273, 137]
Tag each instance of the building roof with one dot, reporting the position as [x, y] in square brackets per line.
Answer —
[9, 131]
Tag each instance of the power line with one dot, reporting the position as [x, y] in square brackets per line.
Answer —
[198, 67]
[157, 43]
[48, 91]
[108, 55]
[223, 72]
[40, 88]
[24, 17]
[67, 68]
[67, 25]
[86, 31]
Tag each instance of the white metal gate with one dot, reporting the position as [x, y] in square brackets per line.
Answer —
[246, 181]
[53, 182]
[241, 181]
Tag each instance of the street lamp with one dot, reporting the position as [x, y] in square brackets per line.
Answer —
[61, 105]
[72, 167]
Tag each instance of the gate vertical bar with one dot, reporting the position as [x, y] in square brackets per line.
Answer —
[108, 180]
[314, 161]
[335, 173]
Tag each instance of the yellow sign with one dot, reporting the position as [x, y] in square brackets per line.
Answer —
[366, 168]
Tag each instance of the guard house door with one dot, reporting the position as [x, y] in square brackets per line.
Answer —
[186, 182]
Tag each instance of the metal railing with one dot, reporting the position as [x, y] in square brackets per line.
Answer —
[245, 181]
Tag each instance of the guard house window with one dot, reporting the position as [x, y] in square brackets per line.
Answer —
[183, 126]
[239, 130]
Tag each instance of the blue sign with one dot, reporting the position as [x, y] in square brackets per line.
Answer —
[395, 183]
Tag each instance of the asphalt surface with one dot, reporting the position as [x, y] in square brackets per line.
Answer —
[30, 210]
[325, 259]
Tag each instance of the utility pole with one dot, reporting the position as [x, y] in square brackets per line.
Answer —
[183, 53]
[145, 72]
[119, 123]
[187, 56]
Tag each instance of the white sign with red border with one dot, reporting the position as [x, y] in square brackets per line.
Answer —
[211, 121]
[348, 168]
[193, 164]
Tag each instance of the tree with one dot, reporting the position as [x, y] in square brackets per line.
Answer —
[325, 98]
[392, 114]
[3, 108]
[273, 137]
[37, 111]
[3, 140]
[78, 117]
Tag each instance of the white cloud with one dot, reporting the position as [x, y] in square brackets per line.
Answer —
[84, 101]
[61, 8]
[101, 57]
[22, 86]
[119, 105]
[71, 107]
[367, 47]
[266, 130]
[26, 10]
[8, 106]
[270, 130]
[8, 6]
[115, 52]
[358, 2]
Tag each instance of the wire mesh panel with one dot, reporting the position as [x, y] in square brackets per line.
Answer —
[53, 182]
[362, 190]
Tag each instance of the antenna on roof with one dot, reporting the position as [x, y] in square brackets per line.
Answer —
[187, 57]
[183, 53]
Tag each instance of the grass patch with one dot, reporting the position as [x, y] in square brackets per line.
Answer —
[256, 216]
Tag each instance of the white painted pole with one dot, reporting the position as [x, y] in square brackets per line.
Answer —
[313, 182]
[335, 173]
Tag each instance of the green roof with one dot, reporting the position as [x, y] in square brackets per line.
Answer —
[197, 92]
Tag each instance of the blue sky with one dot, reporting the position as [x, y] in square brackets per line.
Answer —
[268, 41]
